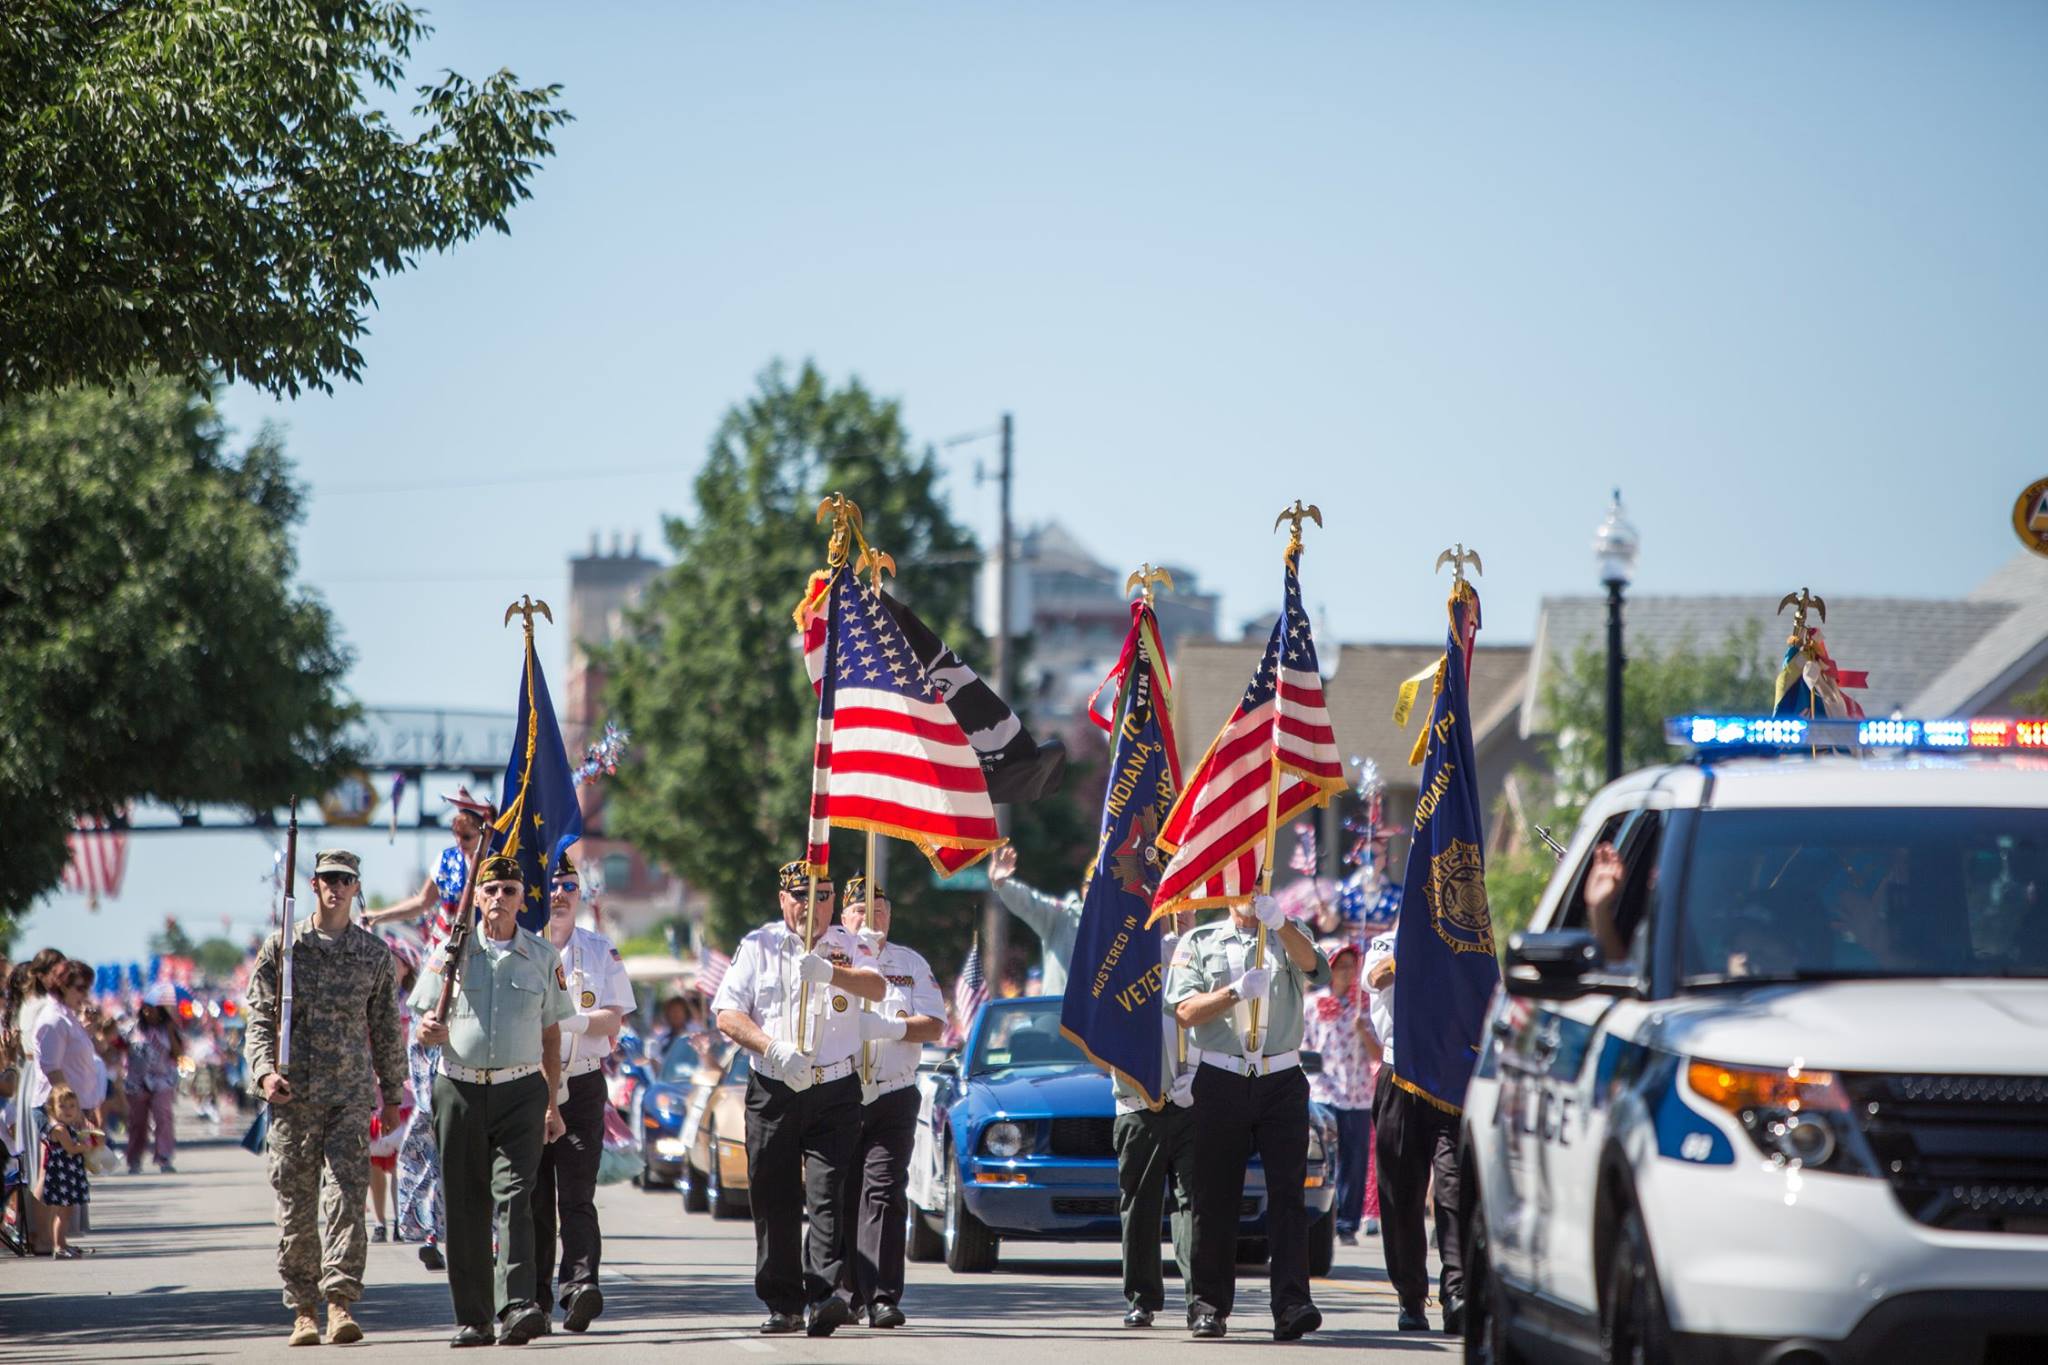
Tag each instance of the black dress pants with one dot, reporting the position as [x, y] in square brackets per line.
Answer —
[1416, 1141]
[875, 1198]
[1235, 1116]
[490, 1139]
[1155, 1163]
[799, 1149]
[568, 1180]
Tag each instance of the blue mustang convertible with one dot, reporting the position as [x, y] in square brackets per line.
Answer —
[1015, 1144]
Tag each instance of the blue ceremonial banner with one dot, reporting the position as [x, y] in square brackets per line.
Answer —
[1444, 966]
[1115, 1003]
[541, 818]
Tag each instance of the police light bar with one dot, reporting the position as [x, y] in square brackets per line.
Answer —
[1706, 734]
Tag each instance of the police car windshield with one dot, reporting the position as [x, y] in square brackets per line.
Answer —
[1821, 894]
[1024, 1034]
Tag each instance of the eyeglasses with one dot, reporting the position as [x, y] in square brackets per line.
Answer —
[336, 878]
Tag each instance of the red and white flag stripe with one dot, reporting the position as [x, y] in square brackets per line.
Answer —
[99, 858]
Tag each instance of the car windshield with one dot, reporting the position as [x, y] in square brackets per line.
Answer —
[1024, 1034]
[1796, 895]
[679, 1062]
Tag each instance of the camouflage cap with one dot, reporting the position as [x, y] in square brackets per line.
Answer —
[498, 868]
[337, 860]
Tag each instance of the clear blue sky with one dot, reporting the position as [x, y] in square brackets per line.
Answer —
[1449, 272]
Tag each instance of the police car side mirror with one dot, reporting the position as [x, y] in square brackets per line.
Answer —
[1311, 1063]
[1553, 966]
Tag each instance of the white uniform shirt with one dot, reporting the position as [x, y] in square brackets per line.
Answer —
[597, 981]
[763, 983]
[912, 990]
[1382, 1001]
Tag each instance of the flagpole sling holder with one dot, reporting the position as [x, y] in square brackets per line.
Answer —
[1294, 516]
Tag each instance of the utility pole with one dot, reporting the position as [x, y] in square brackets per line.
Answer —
[995, 930]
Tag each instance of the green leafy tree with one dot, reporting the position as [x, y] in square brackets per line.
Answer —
[171, 940]
[1730, 676]
[217, 958]
[200, 185]
[711, 680]
[151, 642]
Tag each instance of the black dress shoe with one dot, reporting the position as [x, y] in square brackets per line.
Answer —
[1454, 1315]
[1138, 1317]
[1297, 1322]
[472, 1335]
[430, 1257]
[522, 1325]
[781, 1324]
[885, 1315]
[584, 1303]
[1411, 1320]
[827, 1316]
[1206, 1326]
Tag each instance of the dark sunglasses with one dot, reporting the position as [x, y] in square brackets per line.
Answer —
[569, 887]
[336, 878]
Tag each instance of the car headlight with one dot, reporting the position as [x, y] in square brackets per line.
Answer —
[1315, 1143]
[668, 1103]
[1796, 1117]
[1003, 1139]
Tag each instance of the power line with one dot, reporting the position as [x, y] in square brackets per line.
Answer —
[442, 485]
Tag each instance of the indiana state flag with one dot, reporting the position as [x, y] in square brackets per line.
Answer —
[540, 816]
[1114, 1008]
[1444, 966]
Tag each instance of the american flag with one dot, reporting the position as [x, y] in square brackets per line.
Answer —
[970, 993]
[1216, 833]
[99, 859]
[711, 971]
[890, 756]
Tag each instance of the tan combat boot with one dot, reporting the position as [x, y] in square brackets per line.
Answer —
[341, 1328]
[305, 1330]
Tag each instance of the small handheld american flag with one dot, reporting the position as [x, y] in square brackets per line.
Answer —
[970, 993]
[711, 971]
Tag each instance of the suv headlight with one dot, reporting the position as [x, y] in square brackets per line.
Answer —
[1796, 1117]
[1003, 1139]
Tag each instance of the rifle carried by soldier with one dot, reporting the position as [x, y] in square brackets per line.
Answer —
[284, 945]
[465, 911]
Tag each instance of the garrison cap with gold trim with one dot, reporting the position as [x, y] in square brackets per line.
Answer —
[565, 871]
[337, 860]
[857, 890]
[795, 878]
[498, 868]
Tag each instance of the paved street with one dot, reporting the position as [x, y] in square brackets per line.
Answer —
[183, 1271]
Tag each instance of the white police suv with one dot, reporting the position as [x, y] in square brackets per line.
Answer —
[1796, 1108]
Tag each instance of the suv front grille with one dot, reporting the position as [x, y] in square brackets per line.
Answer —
[1084, 1137]
[1967, 1153]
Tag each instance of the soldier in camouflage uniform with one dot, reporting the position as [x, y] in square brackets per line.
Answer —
[344, 1022]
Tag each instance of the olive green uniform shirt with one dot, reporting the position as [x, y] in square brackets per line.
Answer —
[1214, 955]
[502, 1002]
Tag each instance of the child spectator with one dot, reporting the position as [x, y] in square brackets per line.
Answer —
[66, 1187]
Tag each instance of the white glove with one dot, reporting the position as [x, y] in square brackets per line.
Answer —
[878, 1026]
[1183, 1092]
[576, 1023]
[782, 1062]
[1267, 908]
[1254, 984]
[816, 969]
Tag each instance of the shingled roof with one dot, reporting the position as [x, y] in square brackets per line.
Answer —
[1209, 678]
[1906, 644]
[2005, 656]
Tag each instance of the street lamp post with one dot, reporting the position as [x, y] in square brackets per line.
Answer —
[1615, 545]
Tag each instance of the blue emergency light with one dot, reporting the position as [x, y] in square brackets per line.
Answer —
[1710, 734]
